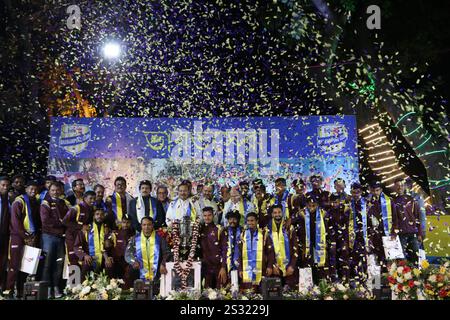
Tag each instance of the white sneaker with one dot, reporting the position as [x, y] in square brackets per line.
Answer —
[58, 294]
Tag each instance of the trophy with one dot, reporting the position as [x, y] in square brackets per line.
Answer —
[185, 237]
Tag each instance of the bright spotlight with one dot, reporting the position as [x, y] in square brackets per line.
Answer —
[111, 50]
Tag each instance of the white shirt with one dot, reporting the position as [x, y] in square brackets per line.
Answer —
[177, 210]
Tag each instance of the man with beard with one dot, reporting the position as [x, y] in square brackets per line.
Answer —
[146, 206]
[118, 203]
[285, 247]
[320, 196]
[77, 216]
[257, 256]
[89, 247]
[213, 251]
[5, 217]
[78, 189]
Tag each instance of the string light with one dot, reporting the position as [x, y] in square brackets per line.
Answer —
[403, 117]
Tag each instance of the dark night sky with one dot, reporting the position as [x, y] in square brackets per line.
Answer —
[419, 30]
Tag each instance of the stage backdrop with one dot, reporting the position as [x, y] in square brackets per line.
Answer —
[222, 150]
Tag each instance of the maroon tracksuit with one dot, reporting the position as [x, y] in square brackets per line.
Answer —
[213, 246]
[17, 241]
[74, 225]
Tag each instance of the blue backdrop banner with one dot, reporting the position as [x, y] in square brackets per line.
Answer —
[223, 150]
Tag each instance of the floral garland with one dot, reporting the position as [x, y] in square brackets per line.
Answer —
[183, 272]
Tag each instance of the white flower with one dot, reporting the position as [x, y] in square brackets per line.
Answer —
[109, 287]
[345, 297]
[85, 291]
[212, 295]
[407, 276]
[399, 280]
[432, 278]
[328, 298]
[406, 288]
[400, 270]
[340, 287]
[244, 298]
[120, 281]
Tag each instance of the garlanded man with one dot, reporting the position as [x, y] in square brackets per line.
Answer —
[313, 238]
[261, 202]
[236, 202]
[78, 189]
[146, 206]
[232, 235]
[5, 217]
[358, 236]
[89, 246]
[182, 206]
[147, 253]
[322, 197]
[77, 216]
[337, 221]
[213, 251]
[118, 203]
[25, 230]
[52, 212]
[408, 220]
[285, 246]
[382, 222]
[257, 254]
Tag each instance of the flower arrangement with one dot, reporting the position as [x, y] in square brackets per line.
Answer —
[330, 291]
[96, 287]
[183, 272]
[436, 281]
[404, 281]
[427, 282]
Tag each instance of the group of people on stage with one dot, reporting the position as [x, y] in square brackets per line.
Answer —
[242, 228]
